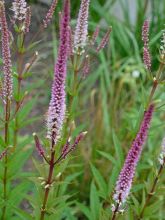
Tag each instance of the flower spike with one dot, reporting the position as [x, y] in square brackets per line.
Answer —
[56, 111]
[127, 173]
[105, 40]
[81, 32]
[19, 7]
[38, 145]
[7, 66]
[50, 13]
[146, 52]
[27, 19]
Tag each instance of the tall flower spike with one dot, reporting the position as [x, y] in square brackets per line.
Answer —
[81, 32]
[50, 13]
[105, 40]
[6, 56]
[19, 7]
[27, 19]
[162, 154]
[127, 173]
[56, 111]
[145, 38]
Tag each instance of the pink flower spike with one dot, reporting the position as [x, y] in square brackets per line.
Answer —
[105, 40]
[145, 33]
[78, 139]
[38, 145]
[19, 7]
[7, 66]
[81, 32]
[3, 154]
[127, 173]
[50, 13]
[95, 35]
[57, 107]
[146, 52]
[27, 19]
[146, 58]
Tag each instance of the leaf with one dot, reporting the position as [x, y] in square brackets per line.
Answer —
[107, 156]
[118, 149]
[85, 210]
[94, 202]
[100, 181]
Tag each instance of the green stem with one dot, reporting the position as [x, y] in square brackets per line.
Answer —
[7, 118]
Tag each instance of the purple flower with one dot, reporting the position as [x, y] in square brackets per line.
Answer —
[95, 34]
[27, 19]
[50, 13]
[81, 32]
[7, 66]
[162, 154]
[56, 111]
[127, 173]
[104, 41]
[38, 145]
[145, 38]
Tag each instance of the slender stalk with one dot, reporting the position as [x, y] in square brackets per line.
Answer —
[7, 118]
[47, 185]
[19, 71]
[116, 209]
[151, 193]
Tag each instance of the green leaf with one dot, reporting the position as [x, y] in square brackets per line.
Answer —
[118, 149]
[94, 202]
[100, 181]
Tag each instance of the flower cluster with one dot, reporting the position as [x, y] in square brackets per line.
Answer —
[162, 154]
[7, 66]
[27, 19]
[69, 148]
[127, 173]
[81, 32]
[104, 41]
[50, 13]
[56, 111]
[162, 47]
[19, 7]
[145, 38]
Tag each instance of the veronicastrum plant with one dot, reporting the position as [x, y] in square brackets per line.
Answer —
[59, 118]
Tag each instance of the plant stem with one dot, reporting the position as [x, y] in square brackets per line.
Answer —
[151, 193]
[47, 186]
[116, 209]
[19, 70]
[7, 117]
